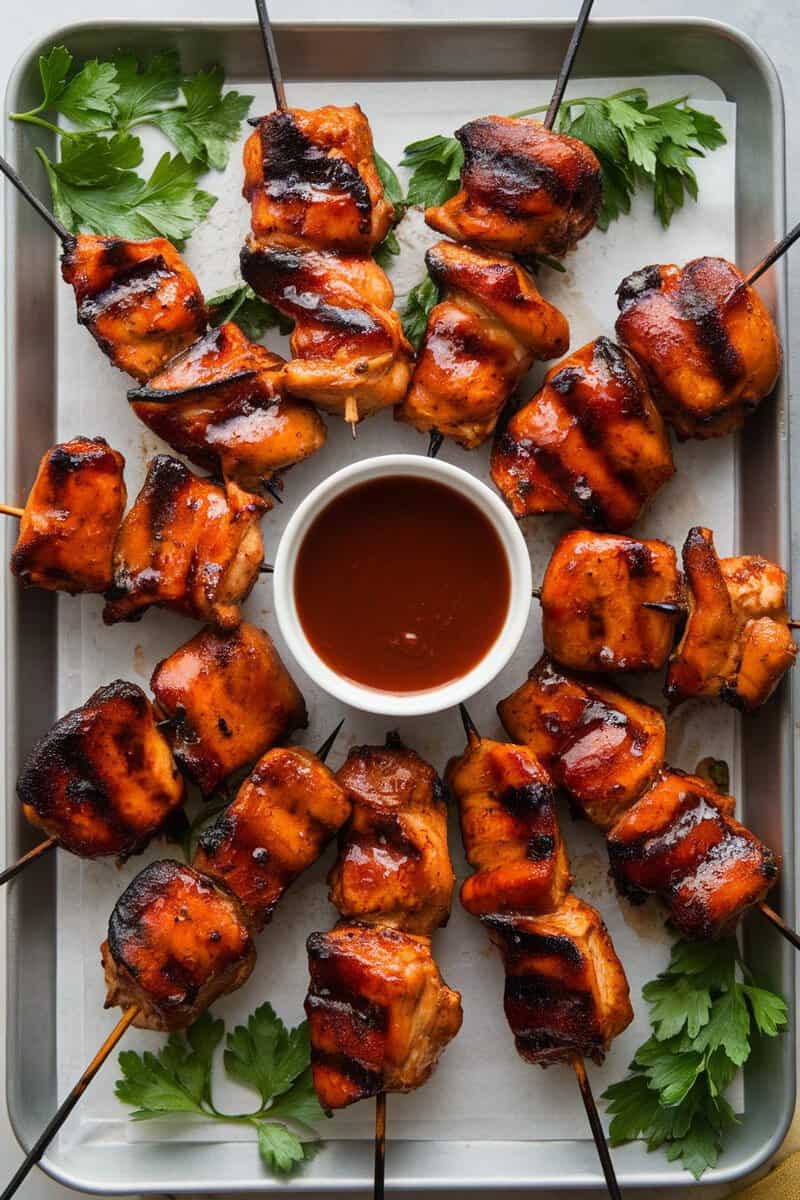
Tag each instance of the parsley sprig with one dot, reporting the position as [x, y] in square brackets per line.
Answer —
[638, 145]
[94, 182]
[390, 246]
[240, 304]
[704, 1009]
[419, 302]
[263, 1055]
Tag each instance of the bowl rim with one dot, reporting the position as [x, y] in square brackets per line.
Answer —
[443, 696]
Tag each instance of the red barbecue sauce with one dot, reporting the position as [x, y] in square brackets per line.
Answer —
[402, 584]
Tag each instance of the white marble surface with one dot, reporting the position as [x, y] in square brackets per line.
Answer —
[776, 26]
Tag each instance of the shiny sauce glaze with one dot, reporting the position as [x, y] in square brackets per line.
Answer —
[402, 584]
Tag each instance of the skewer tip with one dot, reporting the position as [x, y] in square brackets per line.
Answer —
[327, 745]
[380, 1146]
[470, 728]
[435, 442]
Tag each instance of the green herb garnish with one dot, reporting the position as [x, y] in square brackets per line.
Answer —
[637, 145]
[263, 1055]
[240, 304]
[94, 182]
[704, 1010]
[389, 247]
[419, 302]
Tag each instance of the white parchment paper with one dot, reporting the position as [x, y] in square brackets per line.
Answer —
[481, 1089]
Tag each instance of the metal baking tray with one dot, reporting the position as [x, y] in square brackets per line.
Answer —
[40, 632]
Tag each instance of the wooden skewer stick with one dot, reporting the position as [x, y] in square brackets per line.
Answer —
[380, 1146]
[11, 175]
[470, 728]
[777, 920]
[272, 55]
[775, 253]
[27, 859]
[567, 64]
[266, 569]
[351, 413]
[327, 745]
[273, 490]
[40, 1145]
[11, 510]
[579, 1067]
[435, 441]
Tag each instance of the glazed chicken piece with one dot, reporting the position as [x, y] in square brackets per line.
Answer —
[221, 403]
[139, 300]
[71, 518]
[394, 864]
[102, 779]
[176, 942]
[524, 189]
[566, 992]
[598, 744]
[318, 210]
[284, 815]
[310, 178]
[510, 830]
[595, 600]
[682, 843]
[228, 698]
[591, 442]
[737, 645]
[706, 342]
[483, 336]
[379, 1014]
[350, 355]
[187, 544]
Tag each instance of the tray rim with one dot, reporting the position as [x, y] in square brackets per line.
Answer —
[762, 62]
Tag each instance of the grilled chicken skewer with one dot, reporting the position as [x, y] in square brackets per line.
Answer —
[379, 1013]
[318, 212]
[104, 780]
[591, 442]
[566, 994]
[212, 394]
[524, 190]
[178, 939]
[704, 338]
[612, 603]
[669, 834]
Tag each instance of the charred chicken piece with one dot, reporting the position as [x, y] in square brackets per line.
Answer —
[595, 599]
[591, 442]
[483, 336]
[187, 544]
[524, 189]
[348, 343]
[102, 779]
[737, 645]
[566, 991]
[139, 300]
[681, 842]
[176, 942]
[71, 518]
[706, 342]
[510, 830]
[228, 698]
[311, 180]
[379, 1014]
[600, 745]
[394, 864]
[222, 404]
[284, 815]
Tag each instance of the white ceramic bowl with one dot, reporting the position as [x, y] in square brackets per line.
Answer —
[374, 700]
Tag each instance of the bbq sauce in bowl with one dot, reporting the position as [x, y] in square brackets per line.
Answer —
[401, 584]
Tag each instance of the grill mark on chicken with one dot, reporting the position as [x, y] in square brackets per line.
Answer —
[90, 782]
[294, 167]
[520, 943]
[703, 310]
[504, 179]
